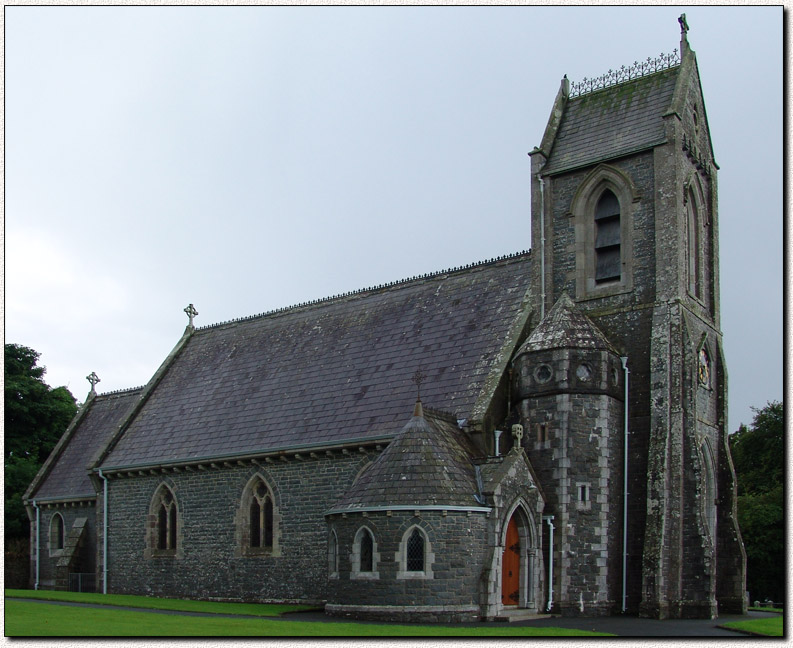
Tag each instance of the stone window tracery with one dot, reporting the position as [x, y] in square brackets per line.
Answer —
[259, 533]
[164, 524]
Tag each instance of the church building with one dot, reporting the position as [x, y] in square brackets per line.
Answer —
[539, 433]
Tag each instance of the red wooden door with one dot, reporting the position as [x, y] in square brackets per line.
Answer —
[510, 566]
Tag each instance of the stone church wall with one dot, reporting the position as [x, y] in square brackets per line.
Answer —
[458, 544]
[48, 558]
[209, 562]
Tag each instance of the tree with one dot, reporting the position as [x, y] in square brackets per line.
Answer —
[35, 418]
[758, 453]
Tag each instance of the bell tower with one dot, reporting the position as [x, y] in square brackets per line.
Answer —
[625, 222]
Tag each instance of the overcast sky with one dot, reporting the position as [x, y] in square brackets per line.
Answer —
[247, 159]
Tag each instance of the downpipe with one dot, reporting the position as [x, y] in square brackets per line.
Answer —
[542, 246]
[625, 494]
[38, 535]
[549, 520]
[104, 532]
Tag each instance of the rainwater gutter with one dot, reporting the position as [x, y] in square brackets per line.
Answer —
[542, 247]
[549, 520]
[625, 494]
[38, 523]
[104, 532]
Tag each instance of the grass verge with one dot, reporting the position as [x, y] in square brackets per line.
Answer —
[768, 627]
[27, 619]
[151, 603]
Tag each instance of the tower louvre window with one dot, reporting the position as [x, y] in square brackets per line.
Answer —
[607, 238]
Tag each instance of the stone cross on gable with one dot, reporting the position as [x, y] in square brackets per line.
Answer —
[683, 24]
[191, 313]
[93, 379]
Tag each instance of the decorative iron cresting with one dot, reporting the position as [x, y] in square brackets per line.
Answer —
[625, 73]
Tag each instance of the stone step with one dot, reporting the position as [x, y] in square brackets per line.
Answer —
[511, 616]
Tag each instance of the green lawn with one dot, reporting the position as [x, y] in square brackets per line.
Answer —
[769, 627]
[32, 619]
[148, 602]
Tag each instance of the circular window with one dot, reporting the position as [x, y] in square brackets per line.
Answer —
[583, 373]
[542, 374]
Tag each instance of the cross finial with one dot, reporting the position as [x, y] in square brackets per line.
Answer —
[418, 378]
[191, 313]
[93, 379]
[683, 24]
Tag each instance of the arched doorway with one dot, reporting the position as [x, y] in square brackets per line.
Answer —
[518, 572]
[510, 565]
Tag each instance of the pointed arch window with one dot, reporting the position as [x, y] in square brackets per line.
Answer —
[415, 558]
[57, 533]
[415, 551]
[603, 209]
[608, 260]
[261, 517]
[367, 552]
[365, 557]
[694, 252]
[258, 519]
[164, 524]
[333, 555]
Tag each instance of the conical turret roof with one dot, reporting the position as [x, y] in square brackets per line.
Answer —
[564, 326]
[427, 464]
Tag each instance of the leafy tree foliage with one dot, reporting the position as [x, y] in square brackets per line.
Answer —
[35, 418]
[758, 453]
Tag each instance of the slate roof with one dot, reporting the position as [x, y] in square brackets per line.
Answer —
[427, 464]
[68, 476]
[330, 372]
[564, 326]
[612, 122]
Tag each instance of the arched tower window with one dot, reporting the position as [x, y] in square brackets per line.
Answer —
[603, 209]
[57, 532]
[608, 260]
[258, 519]
[694, 252]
